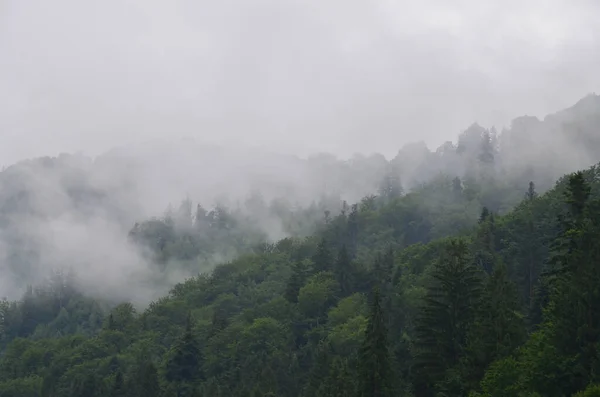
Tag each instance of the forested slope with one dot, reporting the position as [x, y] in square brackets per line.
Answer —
[375, 301]
[471, 285]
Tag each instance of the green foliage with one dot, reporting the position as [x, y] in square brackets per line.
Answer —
[447, 314]
[375, 368]
[469, 300]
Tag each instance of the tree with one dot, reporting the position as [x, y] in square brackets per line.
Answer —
[498, 328]
[319, 370]
[375, 375]
[485, 255]
[322, 258]
[118, 388]
[343, 271]
[184, 362]
[390, 186]
[446, 316]
[573, 313]
[295, 282]
[352, 231]
[147, 380]
[531, 194]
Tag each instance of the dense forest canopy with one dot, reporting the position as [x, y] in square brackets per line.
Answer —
[189, 270]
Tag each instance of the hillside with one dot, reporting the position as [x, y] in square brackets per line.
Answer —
[471, 282]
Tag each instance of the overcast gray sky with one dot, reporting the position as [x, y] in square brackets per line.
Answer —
[294, 75]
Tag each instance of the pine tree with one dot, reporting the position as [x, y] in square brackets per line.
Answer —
[147, 380]
[118, 388]
[375, 375]
[387, 262]
[498, 328]
[319, 370]
[184, 362]
[447, 314]
[295, 282]
[322, 258]
[531, 193]
[457, 188]
[530, 274]
[485, 255]
[573, 313]
[343, 271]
[391, 186]
[487, 149]
[352, 231]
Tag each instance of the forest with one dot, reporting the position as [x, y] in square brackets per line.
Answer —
[466, 271]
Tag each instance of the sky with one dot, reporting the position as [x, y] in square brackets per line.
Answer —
[295, 76]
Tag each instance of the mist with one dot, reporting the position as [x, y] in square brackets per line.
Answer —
[299, 100]
[293, 76]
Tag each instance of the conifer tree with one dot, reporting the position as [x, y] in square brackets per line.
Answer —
[295, 282]
[485, 256]
[319, 370]
[573, 313]
[445, 318]
[375, 374]
[118, 388]
[184, 363]
[352, 231]
[147, 380]
[498, 327]
[343, 271]
[322, 259]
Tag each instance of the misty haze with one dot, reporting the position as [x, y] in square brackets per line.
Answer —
[299, 198]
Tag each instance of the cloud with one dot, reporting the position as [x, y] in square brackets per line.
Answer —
[296, 76]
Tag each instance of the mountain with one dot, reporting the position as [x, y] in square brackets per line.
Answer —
[469, 270]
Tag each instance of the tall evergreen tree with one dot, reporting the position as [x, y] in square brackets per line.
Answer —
[295, 282]
[498, 328]
[184, 363]
[485, 255]
[118, 388]
[352, 231]
[445, 318]
[374, 357]
[147, 380]
[343, 271]
[319, 370]
[573, 313]
[322, 258]
[391, 186]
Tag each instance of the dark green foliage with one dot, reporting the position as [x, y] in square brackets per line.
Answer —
[322, 259]
[470, 299]
[343, 271]
[295, 282]
[498, 328]
[118, 387]
[147, 380]
[446, 317]
[184, 362]
[374, 355]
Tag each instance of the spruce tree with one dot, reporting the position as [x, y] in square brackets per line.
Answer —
[319, 370]
[352, 231]
[295, 282]
[147, 380]
[118, 388]
[343, 271]
[573, 313]
[445, 318]
[498, 328]
[184, 363]
[322, 258]
[375, 374]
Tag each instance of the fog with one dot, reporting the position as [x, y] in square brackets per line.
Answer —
[216, 100]
[293, 76]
